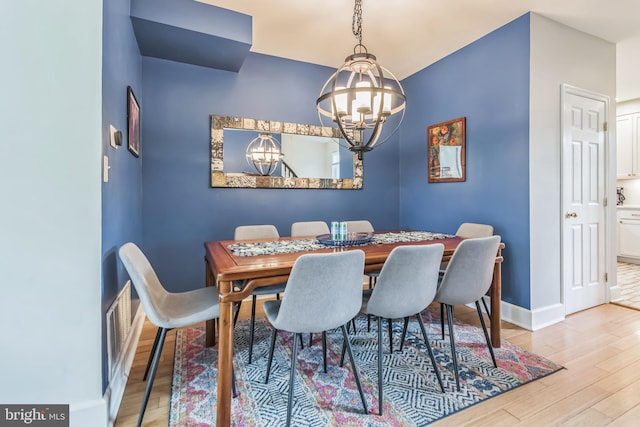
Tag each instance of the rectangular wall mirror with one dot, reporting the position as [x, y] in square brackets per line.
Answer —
[312, 156]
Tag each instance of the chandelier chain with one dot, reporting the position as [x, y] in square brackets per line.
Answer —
[356, 24]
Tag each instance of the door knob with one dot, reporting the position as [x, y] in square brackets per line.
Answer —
[571, 215]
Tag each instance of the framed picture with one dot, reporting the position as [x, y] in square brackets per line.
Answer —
[133, 122]
[446, 159]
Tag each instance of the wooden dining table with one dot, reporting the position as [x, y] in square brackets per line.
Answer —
[223, 268]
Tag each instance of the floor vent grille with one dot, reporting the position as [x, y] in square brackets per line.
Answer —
[118, 326]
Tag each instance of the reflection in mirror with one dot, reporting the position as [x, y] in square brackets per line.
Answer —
[304, 156]
[312, 156]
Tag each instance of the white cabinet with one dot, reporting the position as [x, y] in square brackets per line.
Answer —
[629, 233]
[628, 145]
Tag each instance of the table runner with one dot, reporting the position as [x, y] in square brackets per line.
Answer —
[300, 245]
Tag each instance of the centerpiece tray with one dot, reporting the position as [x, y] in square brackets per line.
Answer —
[353, 239]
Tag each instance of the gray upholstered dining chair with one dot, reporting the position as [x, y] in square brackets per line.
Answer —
[309, 228]
[363, 226]
[472, 230]
[359, 226]
[467, 278]
[250, 232]
[406, 286]
[324, 292]
[469, 230]
[166, 310]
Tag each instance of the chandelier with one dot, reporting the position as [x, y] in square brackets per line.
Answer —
[361, 95]
[264, 154]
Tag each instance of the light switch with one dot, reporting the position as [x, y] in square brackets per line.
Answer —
[105, 169]
[113, 136]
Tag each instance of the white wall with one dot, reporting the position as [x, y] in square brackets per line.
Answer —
[627, 65]
[50, 220]
[560, 54]
[631, 186]
[308, 156]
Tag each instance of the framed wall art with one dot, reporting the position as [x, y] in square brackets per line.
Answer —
[133, 123]
[446, 158]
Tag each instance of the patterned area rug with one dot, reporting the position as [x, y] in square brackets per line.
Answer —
[412, 396]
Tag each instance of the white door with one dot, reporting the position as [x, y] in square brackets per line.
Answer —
[583, 193]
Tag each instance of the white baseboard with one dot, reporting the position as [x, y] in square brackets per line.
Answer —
[115, 390]
[628, 260]
[528, 319]
[92, 413]
[547, 316]
[615, 293]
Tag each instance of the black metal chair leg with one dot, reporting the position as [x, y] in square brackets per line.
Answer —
[442, 319]
[153, 351]
[453, 344]
[324, 350]
[154, 368]
[252, 326]
[486, 335]
[233, 382]
[235, 316]
[310, 340]
[428, 344]
[273, 344]
[352, 324]
[404, 331]
[292, 377]
[486, 308]
[390, 325]
[355, 368]
[379, 365]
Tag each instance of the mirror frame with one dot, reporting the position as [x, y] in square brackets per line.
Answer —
[239, 180]
[456, 128]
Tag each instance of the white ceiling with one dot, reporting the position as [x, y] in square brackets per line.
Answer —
[408, 35]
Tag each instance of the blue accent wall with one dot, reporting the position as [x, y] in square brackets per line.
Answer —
[122, 195]
[192, 32]
[488, 83]
[180, 209]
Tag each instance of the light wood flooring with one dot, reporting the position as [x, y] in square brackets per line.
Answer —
[600, 348]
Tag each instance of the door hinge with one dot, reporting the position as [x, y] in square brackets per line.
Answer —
[605, 202]
[605, 126]
[606, 277]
